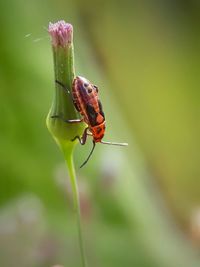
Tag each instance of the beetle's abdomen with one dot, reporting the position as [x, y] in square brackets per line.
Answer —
[98, 132]
[86, 101]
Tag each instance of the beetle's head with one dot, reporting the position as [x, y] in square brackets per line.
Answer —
[86, 84]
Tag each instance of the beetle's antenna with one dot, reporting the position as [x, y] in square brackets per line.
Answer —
[114, 144]
[89, 155]
[63, 86]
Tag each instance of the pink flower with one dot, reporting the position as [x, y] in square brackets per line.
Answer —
[61, 33]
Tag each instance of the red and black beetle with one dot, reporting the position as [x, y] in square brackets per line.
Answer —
[87, 103]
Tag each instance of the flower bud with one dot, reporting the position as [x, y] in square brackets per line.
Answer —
[62, 106]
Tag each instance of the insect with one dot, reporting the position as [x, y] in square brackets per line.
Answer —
[86, 101]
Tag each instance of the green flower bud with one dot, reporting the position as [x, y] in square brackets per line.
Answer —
[62, 45]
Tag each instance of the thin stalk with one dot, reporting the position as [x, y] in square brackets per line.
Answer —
[76, 201]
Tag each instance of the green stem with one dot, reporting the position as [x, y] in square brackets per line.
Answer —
[62, 44]
[72, 175]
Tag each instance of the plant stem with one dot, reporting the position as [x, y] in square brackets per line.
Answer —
[72, 175]
[62, 44]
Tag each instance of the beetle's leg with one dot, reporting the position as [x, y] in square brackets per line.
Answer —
[63, 86]
[82, 139]
[74, 121]
[69, 121]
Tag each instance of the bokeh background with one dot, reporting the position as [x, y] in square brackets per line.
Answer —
[141, 204]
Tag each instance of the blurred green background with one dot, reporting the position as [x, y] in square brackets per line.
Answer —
[141, 204]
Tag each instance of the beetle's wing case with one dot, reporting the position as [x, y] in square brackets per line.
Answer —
[85, 96]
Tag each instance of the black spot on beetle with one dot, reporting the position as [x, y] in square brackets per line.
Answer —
[86, 84]
[89, 90]
[101, 109]
[99, 129]
[76, 106]
[92, 115]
